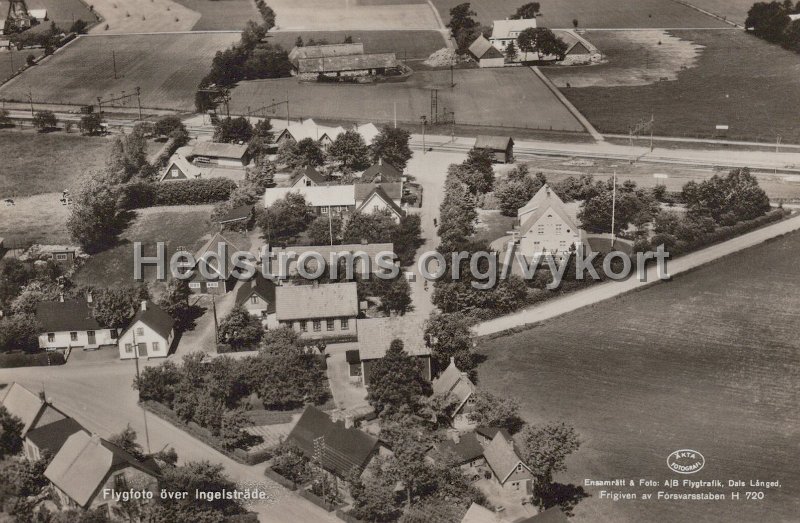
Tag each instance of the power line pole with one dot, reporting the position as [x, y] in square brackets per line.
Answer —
[613, 208]
[139, 101]
[423, 134]
[114, 61]
[319, 452]
[30, 100]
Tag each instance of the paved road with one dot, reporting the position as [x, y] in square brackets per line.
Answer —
[100, 397]
[605, 291]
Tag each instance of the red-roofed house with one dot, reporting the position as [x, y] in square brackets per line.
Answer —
[149, 335]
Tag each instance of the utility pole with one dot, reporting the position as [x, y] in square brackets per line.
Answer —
[114, 61]
[330, 223]
[319, 452]
[652, 124]
[30, 100]
[216, 325]
[144, 412]
[777, 149]
[423, 133]
[452, 77]
[395, 115]
[11, 55]
[139, 101]
[613, 208]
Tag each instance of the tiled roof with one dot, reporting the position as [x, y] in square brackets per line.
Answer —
[392, 190]
[501, 456]
[376, 334]
[491, 432]
[483, 48]
[356, 62]
[154, 317]
[318, 51]
[88, 459]
[69, 315]
[467, 449]
[305, 302]
[454, 382]
[544, 200]
[236, 214]
[494, 143]
[23, 404]
[220, 150]
[387, 172]
[344, 449]
[260, 286]
[511, 28]
[316, 196]
[309, 172]
[380, 192]
[51, 437]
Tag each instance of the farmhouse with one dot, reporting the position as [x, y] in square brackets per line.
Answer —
[486, 54]
[296, 132]
[546, 225]
[323, 51]
[501, 147]
[98, 464]
[48, 439]
[179, 168]
[506, 31]
[507, 467]
[365, 256]
[149, 335]
[319, 312]
[223, 154]
[214, 266]
[374, 198]
[342, 60]
[339, 446]
[257, 296]
[460, 389]
[375, 337]
[71, 324]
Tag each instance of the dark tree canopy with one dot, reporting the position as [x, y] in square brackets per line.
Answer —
[391, 145]
[396, 382]
[526, 11]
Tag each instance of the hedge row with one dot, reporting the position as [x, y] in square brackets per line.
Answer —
[136, 195]
[39, 359]
[280, 480]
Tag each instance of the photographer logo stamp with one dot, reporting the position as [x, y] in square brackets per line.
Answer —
[686, 461]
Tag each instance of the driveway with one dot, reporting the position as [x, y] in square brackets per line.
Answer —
[346, 395]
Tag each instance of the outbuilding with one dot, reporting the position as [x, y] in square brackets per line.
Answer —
[501, 147]
[486, 54]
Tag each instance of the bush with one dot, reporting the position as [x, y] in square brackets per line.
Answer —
[23, 359]
[136, 195]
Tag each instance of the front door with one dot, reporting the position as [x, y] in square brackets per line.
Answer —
[142, 349]
[90, 335]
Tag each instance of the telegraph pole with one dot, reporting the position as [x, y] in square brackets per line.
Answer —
[423, 134]
[139, 101]
[613, 208]
[30, 99]
[114, 62]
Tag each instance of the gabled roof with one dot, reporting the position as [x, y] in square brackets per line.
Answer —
[236, 214]
[319, 51]
[51, 437]
[392, 190]
[479, 514]
[220, 150]
[467, 449]
[24, 404]
[368, 132]
[380, 192]
[355, 249]
[310, 173]
[344, 449]
[154, 317]
[376, 334]
[386, 172]
[68, 315]
[80, 468]
[355, 62]
[491, 432]
[212, 246]
[305, 302]
[578, 48]
[493, 143]
[511, 28]
[483, 48]
[543, 201]
[501, 457]
[261, 287]
[454, 382]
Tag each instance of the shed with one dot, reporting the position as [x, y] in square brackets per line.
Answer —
[502, 147]
[486, 54]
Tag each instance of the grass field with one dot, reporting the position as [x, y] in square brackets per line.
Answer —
[222, 14]
[710, 361]
[35, 163]
[592, 13]
[180, 226]
[738, 80]
[166, 67]
[143, 16]
[352, 15]
[405, 44]
[512, 97]
[62, 12]
[19, 59]
[733, 10]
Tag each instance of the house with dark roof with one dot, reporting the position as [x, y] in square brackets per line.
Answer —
[304, 52]
[480, 514]
[149, 335]
[214, 269]
[486, 434]
[49, 439]
[547, 225]
[307, 177]
[223, 154]
[457, 386]
[71, 324]
[501, 147]
[181, 168]
[340, 448]
[486, 54]
[342, 199]
[364, 258]
[257, 297]
[87, 465]
[460, 450]
[380, 197]
[382, 172]
[241, 216]
[508, 469]
[346, 65]
[319, 312]
[551, 515]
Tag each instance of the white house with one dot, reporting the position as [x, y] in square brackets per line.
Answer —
[319, 312]
[507, 31]
[338, 199]
[179, 168]
[457, 386]
[149, 335]
[71, 324]
[546, 225]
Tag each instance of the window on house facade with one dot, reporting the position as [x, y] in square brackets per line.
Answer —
[114, 334]
[558, 228]
[345, 324]
[73, 336]
[329, 324]
[212, 284]
[128, 348]
[120, 483]
[51, 337]
[541, 229]
[317, 325]
[194, 285]
[156, 346]
[519, 467]
[304, 326]
[61, 257]
[254, 299]
[325, 210]
[140, 331]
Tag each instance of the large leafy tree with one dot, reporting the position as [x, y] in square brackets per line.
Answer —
[240, 329]
[493, 411]
[305, 153]
[349, 152]
[175, 301]
[545, 449]
[542, 41]
[632, 206]
[526, 11]
[449, 336]
[463, 26]
[19, 332]
[233, 130]
[114, 308]
[391, 145]
[457, 214]
[14, 275]
[325, 230]
[377, 227]
[93, 218]
[396, 382]
[10, 433]
[286, 218]
[126, 440]
[729, 199]
[516, 188]
[769, 20]
[203, 476]
[374, 497]
[166, 125]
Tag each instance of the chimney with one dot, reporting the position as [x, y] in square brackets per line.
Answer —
[452, 360]
[61, 297]
[456, 437]
[89, 297]
[144, 305]
[349, 421]
[380, 161]
[364, 241]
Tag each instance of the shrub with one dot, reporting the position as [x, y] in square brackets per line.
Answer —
[183, 192]
[22, 359]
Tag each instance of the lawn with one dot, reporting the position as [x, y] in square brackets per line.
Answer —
[35, 163]
[592, 13]
[218, 15]
[352, 15]
[737, 80]
[518, 99]
[179, 226]
[710, 361]
[15, 58]
[405, 44]
[167, 68]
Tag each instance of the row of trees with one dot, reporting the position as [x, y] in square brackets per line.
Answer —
[770, 21]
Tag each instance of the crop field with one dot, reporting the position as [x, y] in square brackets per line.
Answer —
[733, 10]
[143, 16]
[17, 57]
[63, 12]
[352, 15]
[511, 97]
[166, 67]
[405, 44]
[709, 361]
[592, 13]
[218, 15]
[736, 80]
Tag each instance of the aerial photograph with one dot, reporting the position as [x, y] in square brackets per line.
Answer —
[399, 261]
